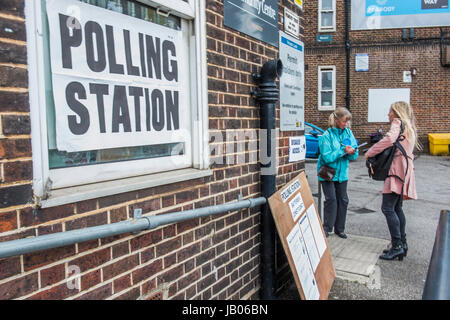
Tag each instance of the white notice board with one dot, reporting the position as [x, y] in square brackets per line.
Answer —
[380, 101]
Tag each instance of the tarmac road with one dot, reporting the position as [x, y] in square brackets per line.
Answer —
[400, 280]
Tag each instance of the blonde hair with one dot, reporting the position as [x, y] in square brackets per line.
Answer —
[405, 112]
[338, 114]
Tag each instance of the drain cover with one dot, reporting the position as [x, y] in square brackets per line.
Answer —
[362, 210]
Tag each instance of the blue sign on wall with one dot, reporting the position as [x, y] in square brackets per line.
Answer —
[391, 14]
[401, 7]
[324, 37]
[256, 18]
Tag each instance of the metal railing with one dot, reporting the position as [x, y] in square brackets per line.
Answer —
[437, 284]
[60, 239]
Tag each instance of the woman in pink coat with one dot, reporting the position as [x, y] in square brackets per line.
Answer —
[399, 113]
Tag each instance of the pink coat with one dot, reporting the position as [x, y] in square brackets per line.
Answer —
[398, 167]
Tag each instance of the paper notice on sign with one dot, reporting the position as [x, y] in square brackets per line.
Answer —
[309, 242]
[302, 265]
[361, 62]
[290, 190]
[292, 83]
[296, 205]
[316, 230]
[297, 148]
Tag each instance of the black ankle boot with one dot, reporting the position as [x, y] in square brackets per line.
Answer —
[405, 247]
[394, 252]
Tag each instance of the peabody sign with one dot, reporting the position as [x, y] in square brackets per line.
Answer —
[256, 18]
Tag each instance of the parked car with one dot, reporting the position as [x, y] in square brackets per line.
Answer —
[312, 134]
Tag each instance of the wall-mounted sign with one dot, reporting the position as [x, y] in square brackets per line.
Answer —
[297, 148]
[324, 38]
[387, 14]
[407, 77]
[256, 18]
[380, 101]
[299, 3]
[116, 79]
[292, 84]
[361, 62]
[291, 23]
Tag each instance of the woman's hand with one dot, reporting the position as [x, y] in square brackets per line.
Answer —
[349, 150]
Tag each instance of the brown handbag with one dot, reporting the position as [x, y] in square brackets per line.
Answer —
[326, 173]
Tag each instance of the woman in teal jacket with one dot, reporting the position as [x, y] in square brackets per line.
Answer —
[337, 146]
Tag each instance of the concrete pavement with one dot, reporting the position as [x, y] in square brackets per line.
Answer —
[360, 274]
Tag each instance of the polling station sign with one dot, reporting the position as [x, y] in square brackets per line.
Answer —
[388, 14]
[117, 80]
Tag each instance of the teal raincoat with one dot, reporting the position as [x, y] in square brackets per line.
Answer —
[331, 145]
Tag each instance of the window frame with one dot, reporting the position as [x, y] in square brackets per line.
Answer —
[319, 88]
[320, 11]
[45, 193]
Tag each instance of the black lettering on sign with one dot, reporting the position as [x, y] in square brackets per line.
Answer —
[153, 56]
[82, 126]
[137, 93]
[147, 109]
[131, 70]
[142, 52]
[100, 90]
[171, 74]
[157, 110]
[114, 67]
[172, 110]
[90, 29]
[120, 114]
[70, 37]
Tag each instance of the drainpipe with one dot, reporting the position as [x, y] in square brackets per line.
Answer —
[347, 55]
[267, 95]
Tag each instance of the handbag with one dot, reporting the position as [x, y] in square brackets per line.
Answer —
[326, 173]
[379, 165]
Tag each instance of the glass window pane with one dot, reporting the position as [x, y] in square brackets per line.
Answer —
[62, 159]
[327, 80]
[327, 4]
[327, 19]
[326, 98]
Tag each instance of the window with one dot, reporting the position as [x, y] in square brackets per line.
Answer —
[116, 97]
[327, 88]
[327, 15]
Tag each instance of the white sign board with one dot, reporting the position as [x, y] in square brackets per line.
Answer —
[291, 23]
[380, 101]
[292, 84]
[361, 62]
[297, 148]
[116, 79]
[407, 77]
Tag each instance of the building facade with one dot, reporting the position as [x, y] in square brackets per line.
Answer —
[111, 106]
[405, 56]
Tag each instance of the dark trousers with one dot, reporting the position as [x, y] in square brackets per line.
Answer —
[395, 218]
[335, 205]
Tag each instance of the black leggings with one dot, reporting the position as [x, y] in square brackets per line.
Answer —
[395, 218]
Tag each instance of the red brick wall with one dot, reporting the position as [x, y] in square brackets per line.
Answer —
[389, 56]
[207, 258]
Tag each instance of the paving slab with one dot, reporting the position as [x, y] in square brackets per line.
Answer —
[355, 258]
